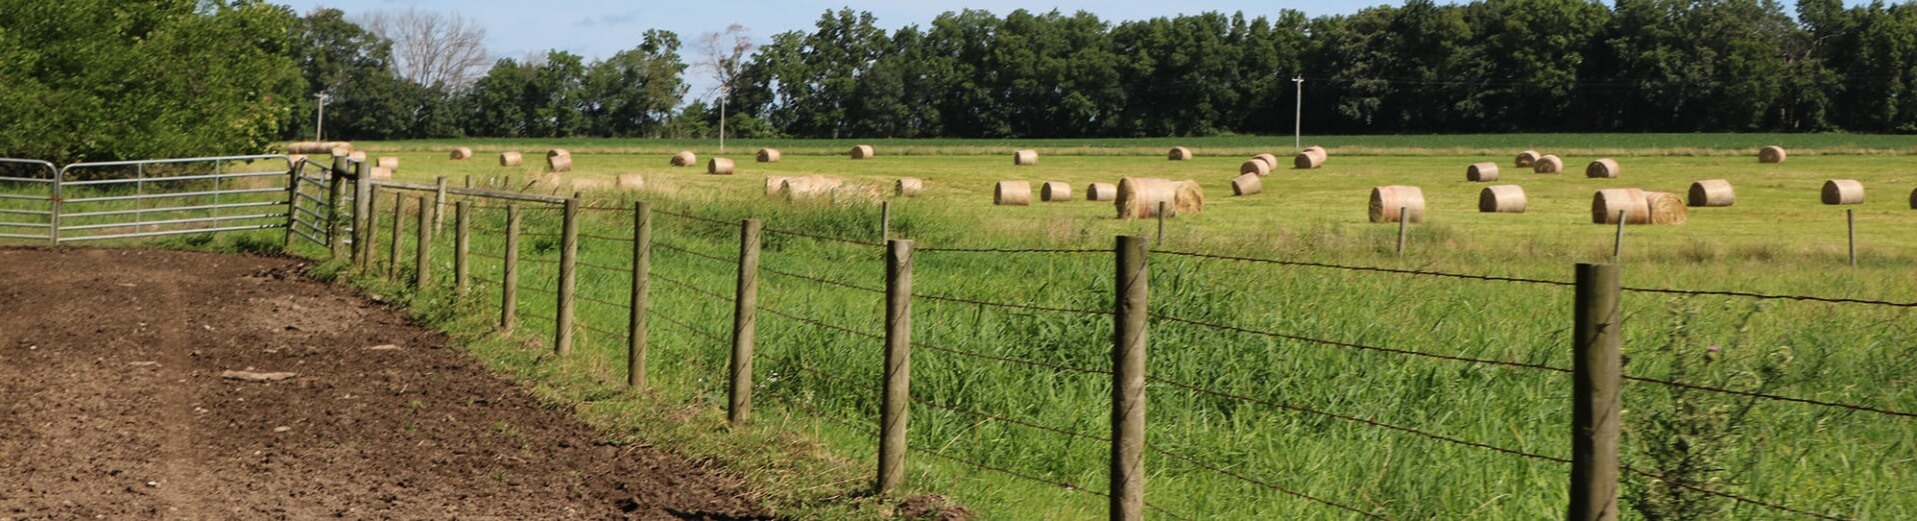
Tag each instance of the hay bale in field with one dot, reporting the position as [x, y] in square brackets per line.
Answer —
[1548, 164]
[389, 163]
[1712, 192]
[908, 187]
[1179, 154]
[357, 156]
[1913, 199]
[319, 147]
[1602, 169]
[1771, 154]
[1269, 159]
[380, 173]
[1527, 158]
[1308, 159]
[1391, 203]
[340, 151]
[511, 159]
[1012, 193]
[1501, 199]
[1481, 173]
[1843, 191]
[1055, 191]
[1608, 202]
[807, 186]
[461, 154]
[558, 152]
[558, 164]
[1247, 184]
[1102, 191]
[684, 158]
[1254, 166]
[1025, 158]
[719, 166]
[1666, 208]
[863, 152]
[630, 182]
[768, 155]
[1139, 198]
[582, 184]
[857, 194]
[773, 184]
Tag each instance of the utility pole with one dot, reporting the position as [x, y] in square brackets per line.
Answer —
[319, 123]
[1298, 115]
[725, 91]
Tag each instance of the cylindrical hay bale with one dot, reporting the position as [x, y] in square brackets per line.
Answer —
[318, 147]
[461, 154]
[1315, 149]
[630, 182]
[1548, 165]
[1247, 184]
[1770, 154]
[1527, 158]
[558, 164]
[773, 184]
[1913, 199]
[1602, 169]
[1501, 199]
[1843, 191]
[357, 156]
[1190, 198]
[1712, 192]
[685, 158]
[908, 187]
[1391, 203]
[857, 194]
[1481, 173]
[1012, 193]
[1103, 191]
[1025, 158]
[1666, 208]
[1055, 191]
[380, 173]
[558, 152]
[1139, 198]
[806, 186]
[389, 163]
[1179, 154]
[1254, 166]
[719, 166]
[1269, 159]
[1608, 202]
[511, 159]
[768, 155]
[863, 152]
[590, 183]
[1308, 159]
[340, 151]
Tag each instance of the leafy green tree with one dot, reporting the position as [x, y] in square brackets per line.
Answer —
[634, 92]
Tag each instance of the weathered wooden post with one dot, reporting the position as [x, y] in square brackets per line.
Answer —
[423, 251]
[367, 256]
[399, 226]
[1128, 381]
[509, 276]
[568, 278]
[462, 246]
[1595, 397]
[641, 294]
[362, 216]
[744, 321]
[439, 204]
[896, 409]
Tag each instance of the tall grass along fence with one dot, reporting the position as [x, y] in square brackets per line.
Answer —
[1003, 388]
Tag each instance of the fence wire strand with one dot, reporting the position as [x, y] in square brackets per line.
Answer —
[695, 330]
[816, 323]
[1013, 360]
[714, 258]
[1005, 305]
[1022, 423]
[825, 238]
[821, 280]
[694, 218]
[690, 287]
[1763, 296]
[1772, 397]
[1268, 485]
[1733, 497]
[1373, 269]
[1010, 250]
[1360, 347]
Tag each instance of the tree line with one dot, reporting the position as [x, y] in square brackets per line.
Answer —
[106, 79]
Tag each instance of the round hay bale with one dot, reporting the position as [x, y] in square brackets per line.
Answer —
[1602, 169]
[1102, 191]
[863, 152]
[389, 163]
[769, 155]
[1317, 150]
[340, 151]
[318, 147]
[1913, 199]
[1025, 158]
[1269, 159]
[1179, 154]
[558, 152]
[1391, 203]
[1189, 200]
[684, 158]
[1501, 199]
[558, 164]
[1247, 184]
[1527, 158]
[1012, 193]
[908, 187]
[1254, 166]
[1548, 165]
[1608, 202]
[1308, 159]
[1843, 191]
[1481, 173]
[1055, 191]
[773, 184]
[1712, 192]
[582, 184]
[511, 159]
[380, 173]
[461, 154]
[1771, 154]
[857, 194]
[1139, 198]
[807, 186]
[1666, 208]
[357, 156]
[630, 182]
[719, 166]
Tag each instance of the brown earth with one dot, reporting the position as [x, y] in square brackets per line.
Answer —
[112, 406]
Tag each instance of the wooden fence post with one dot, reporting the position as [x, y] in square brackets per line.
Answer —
[885, 221]
[1850, 224]
[1595, 397]
[371, 237]
[399, 225]
[1129, 318]
[439, 204]
[423, 250]
[292, 205]
[1401, 229]
[744, 321]
[335, 195]
[509, 276]
[568, 278]
[641, 294]
[462, 246]
[896, 409]
[362, 215]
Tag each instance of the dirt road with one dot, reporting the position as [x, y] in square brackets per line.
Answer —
[113, 405]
